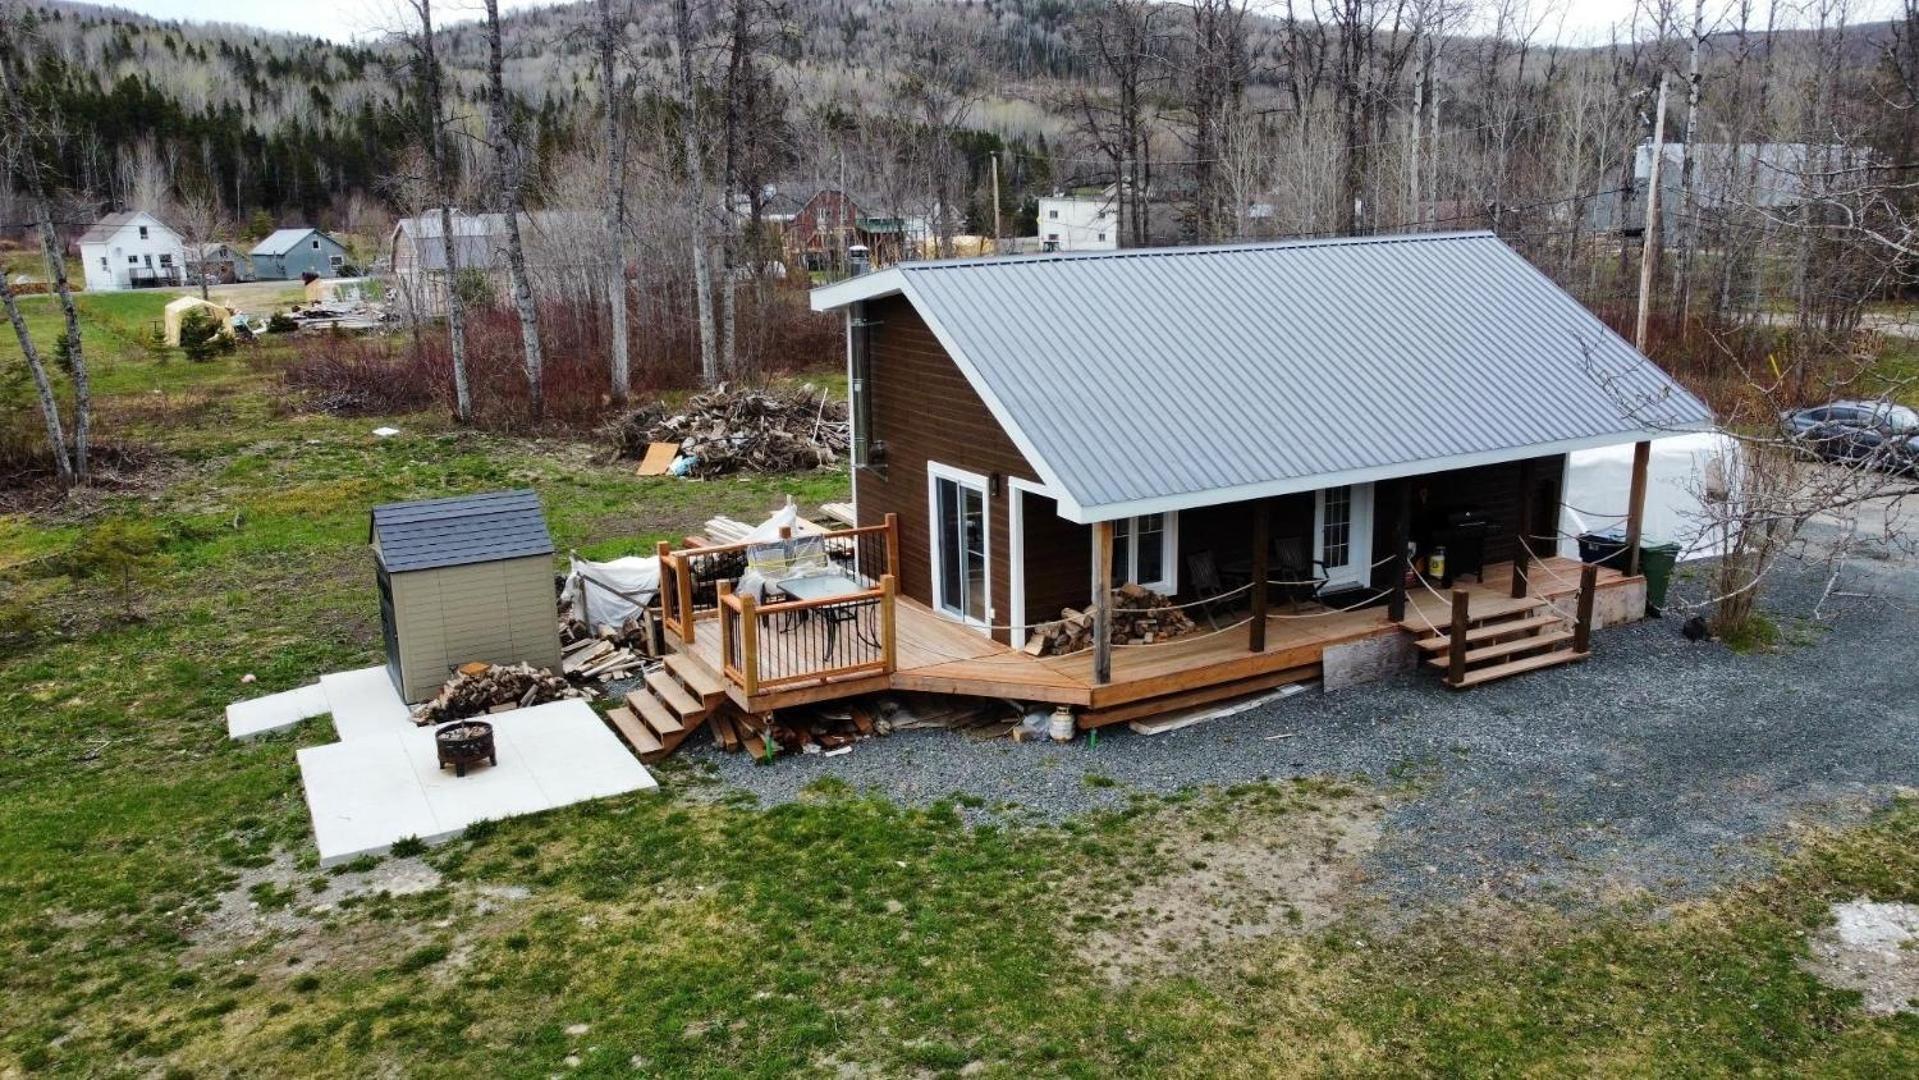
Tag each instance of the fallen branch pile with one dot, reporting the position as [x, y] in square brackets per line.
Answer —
[1140, 617]
[477, 689]
[726, 430]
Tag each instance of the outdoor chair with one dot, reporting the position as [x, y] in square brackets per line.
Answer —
[1293, 563]
[1202, 574]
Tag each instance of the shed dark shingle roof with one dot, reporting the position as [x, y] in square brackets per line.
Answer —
[432, 533]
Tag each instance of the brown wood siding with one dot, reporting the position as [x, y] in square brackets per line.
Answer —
[1059, 560]
[924, 410]
[1490, 489]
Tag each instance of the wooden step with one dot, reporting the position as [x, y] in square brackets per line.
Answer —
[1443, 644]
[1506, 648]
[668, 690]
[697, 677]
[1204, 695]
[642, 740]
[1518, 667]
[1483, 609]
[654, 712]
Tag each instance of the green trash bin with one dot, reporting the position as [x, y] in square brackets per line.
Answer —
[1656, 562]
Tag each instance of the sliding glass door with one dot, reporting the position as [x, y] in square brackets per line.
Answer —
[959, 545]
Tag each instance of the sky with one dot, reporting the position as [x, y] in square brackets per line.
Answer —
[344, 20]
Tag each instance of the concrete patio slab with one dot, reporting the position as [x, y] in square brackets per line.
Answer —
[364, 703]
[275, 712]
[368, 791]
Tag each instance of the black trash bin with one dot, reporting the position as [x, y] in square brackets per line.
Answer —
[1604, 549]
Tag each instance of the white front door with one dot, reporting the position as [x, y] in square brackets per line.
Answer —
[1343, 534]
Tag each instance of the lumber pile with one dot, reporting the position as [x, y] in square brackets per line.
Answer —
[1140, 617]
[726, 530]
[729, 430]
[612, 657]
[478, 688]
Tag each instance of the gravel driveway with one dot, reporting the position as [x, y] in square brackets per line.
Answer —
[1658, 763]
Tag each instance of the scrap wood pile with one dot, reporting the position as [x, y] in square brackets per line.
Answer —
[726, 430]
[611, 654]
[1140, 617]
[480, 688]
[832, 728]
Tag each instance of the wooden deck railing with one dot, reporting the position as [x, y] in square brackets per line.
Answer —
[690, 578]
[771, 646]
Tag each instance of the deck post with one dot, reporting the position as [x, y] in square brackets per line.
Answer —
[1636, 505]
[889, 627]
[1522, 559]
[1256, 629]
[664, 552]
[1102, 603]
[1456, 648]
[1583, 624]
[892, 544]
[749, 645]
[726, 627]
[682, 575]
[1402, 566]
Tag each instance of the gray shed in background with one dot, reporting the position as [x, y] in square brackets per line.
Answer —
[289, 254]
[462, 580]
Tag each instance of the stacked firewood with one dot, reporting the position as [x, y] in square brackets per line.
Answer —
[477, 688]
[1140, 617]
[726, 430]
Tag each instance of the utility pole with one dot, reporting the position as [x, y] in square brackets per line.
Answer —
[996, 228]
[1650, 248]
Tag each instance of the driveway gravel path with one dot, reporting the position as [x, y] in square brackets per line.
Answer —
[1658, 764]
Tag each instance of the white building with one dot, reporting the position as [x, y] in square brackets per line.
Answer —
[131, 250]
[1078, 223]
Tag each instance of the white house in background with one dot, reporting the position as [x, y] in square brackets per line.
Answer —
[1079, 222]
[131, 250]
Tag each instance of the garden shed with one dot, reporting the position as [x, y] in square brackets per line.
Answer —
[461, 580]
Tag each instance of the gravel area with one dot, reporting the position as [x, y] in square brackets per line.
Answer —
[1658, 764]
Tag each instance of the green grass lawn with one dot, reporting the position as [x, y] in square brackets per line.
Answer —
[690, 932]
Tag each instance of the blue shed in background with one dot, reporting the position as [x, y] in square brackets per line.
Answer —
[290, 254]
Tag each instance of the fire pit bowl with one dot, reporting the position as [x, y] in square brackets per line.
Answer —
[463, 743]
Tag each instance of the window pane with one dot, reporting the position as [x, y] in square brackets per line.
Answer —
[1122, 569]
[1150, 562]
[949, 545]
[1336, 531]
[975, 501]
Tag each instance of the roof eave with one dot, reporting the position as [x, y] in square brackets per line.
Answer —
[1087, 514]
[887, 282]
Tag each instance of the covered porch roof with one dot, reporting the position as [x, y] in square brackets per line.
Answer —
[1149, 380]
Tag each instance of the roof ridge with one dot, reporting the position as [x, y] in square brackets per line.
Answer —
[1171, 250]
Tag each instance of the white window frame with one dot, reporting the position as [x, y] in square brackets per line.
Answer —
[1016, 492]
[1359, 540]
[1168, 584]
[935, 472]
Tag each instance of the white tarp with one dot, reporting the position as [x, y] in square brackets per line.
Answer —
[609, 593]
[1684, 469]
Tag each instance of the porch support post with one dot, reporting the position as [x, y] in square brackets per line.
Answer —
[1102, 602]
[1401, 565]
[1256, 630]
[1523, 558]
[1456, 639]
[1636, 506]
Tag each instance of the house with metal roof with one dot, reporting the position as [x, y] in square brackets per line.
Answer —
[291, 254]
[461, 580]
[1129, 483]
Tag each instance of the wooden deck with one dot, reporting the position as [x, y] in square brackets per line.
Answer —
[936, 655]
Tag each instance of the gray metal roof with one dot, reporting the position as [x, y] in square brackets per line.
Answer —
[432, 533]
[281, 241]
[1152, 379]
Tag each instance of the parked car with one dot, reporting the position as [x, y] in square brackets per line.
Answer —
[1876, 432]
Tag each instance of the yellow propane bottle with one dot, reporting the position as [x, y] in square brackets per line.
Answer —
[1436, 564]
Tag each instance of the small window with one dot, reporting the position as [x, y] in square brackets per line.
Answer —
[143, 232]
[133, 260]
[166, 260]
[1102, 238]
[336, 260]
[1052, 215]
[103, 262]
[316, 245]
[1143, 551]
[1053, 237]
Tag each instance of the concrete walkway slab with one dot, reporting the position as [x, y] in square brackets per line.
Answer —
[367, 791]
[364, 703]
[275, 712]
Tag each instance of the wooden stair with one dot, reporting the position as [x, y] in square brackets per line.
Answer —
[1504, 638]
[675, 700]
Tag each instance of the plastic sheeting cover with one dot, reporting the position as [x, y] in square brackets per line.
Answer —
[614, 591]
[1684, 470]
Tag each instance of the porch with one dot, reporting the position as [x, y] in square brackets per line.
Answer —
[867, 639]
